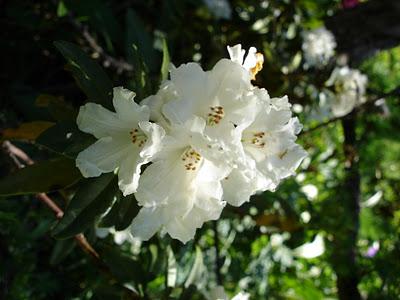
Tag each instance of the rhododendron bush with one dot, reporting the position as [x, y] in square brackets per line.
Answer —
[198, 150]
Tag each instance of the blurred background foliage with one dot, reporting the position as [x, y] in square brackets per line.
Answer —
[253, 248]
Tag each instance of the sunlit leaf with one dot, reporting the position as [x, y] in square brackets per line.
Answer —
[26, 131]
[165, 61]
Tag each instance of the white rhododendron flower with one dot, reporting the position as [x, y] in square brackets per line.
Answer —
[349, 86]
[225, 140]
[318, 47]
[126, 139]
[181, 189]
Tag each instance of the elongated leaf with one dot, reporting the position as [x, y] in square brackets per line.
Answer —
[61, 250]
[41, 177]
[165, 62]
[123, 267]
[122, 213]
[91, 200]
[91, 78]
[65, 138]
[100, 16]
[26, 131]
[137, 34]
[197, 271]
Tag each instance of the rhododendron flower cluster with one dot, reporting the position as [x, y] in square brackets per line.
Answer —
[349, 86]
[318, 47]
[211, 137]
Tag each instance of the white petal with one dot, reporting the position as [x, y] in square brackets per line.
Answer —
[129, 172]
[146, 223]
[287, 162]
[180, 230]
[190, 81]
[166, 181]
[251, 59]
[155, 135]
[95, 119]
[126, 108]
[103, 156]
[236, 53]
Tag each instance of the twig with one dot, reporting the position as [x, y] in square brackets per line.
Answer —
[17, 155]
[394, 92]
[119, 64]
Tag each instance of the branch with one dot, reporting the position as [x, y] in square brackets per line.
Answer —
[346, 233]
[20, 159]
[379, 95]
[17, 155]
[119, 64]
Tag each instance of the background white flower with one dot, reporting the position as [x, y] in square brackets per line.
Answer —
[349, 87]
[126, 140]
[318, 47]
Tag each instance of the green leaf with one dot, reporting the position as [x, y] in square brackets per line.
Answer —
[90, 77]
[136, 34]
[61, 250]
[165, 61]
[92, 199]
[123, 267]
[122, 213]
[65, 138]
[61, 9]
[42, 177]
[100, 16]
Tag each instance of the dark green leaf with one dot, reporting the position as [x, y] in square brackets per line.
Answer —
[91, 200]
[88, 74]
[65, 138]
[123, 267]
[136, 34]
[41, 177]
[100, 17]
[61, 250]
[122, 213]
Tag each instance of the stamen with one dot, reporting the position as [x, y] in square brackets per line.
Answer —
[191, 159]
[138, 137]
[215, 116]
[282, 155]
[256, 139]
